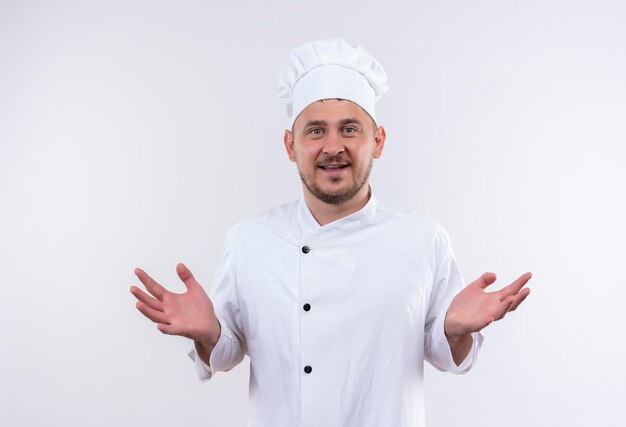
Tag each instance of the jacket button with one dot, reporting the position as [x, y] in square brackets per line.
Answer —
[308, 369]
[306, 306]
[306, 249]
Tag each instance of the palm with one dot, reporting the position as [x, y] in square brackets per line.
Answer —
[190, 314]
[472, 309]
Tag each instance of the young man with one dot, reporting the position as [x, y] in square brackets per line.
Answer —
[336, 298]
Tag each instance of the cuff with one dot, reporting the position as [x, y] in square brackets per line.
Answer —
[442, 352]
[205, 371]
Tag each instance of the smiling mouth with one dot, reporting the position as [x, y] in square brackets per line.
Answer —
[333, 167]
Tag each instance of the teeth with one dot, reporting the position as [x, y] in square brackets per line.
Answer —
[333, 166]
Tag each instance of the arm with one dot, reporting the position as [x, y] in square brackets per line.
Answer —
[231, 346]
[450, 354]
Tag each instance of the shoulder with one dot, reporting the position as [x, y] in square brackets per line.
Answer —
[411, 223]
[272, 221]
[420, 235]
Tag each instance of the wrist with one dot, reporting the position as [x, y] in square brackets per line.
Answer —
[205, 347]
[454, 339]
[210, 339]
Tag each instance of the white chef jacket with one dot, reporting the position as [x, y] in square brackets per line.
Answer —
[336, 319]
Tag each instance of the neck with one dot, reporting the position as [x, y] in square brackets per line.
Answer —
[325, 213]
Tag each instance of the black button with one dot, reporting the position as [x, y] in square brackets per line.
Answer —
[308, 369]
[306, 307]
[306, 249]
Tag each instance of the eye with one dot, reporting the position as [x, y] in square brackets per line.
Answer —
[315, 131]
[349, 130]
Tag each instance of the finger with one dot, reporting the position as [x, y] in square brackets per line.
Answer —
[503, 308]
[153, 303]
[151, 285]
[519, 298]
[155, 316]
[485, 280]
[186, 276]
[515, 287]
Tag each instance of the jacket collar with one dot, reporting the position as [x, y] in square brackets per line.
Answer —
[352, 222]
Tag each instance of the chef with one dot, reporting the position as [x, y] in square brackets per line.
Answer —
[337, 298]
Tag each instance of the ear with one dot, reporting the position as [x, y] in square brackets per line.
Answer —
[288, 139]
[379, 141]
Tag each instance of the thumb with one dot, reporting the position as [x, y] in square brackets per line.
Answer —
[186, 276]
[169, 329]
[485, 280]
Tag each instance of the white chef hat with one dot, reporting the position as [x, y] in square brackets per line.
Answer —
[331, 68]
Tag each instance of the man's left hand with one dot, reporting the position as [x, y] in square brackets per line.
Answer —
[473, 308]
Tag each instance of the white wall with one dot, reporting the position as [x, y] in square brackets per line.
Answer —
[134, 133]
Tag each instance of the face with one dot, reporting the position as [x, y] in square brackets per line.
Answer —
[333, 143]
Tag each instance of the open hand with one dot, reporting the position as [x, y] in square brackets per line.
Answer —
[190, 314]
[472, 309]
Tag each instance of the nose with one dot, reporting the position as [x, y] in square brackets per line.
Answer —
[333, 145]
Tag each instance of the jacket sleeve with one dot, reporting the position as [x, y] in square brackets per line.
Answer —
[231, 345]
[448, 281]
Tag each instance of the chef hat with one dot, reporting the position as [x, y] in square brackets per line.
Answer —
[331, 68]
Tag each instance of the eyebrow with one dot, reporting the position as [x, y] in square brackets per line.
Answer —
[342, 122]
[315, 123]
[350, 121]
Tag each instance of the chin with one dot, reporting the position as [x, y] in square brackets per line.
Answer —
[335, 192]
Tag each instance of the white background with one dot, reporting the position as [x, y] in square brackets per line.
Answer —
[135, 133]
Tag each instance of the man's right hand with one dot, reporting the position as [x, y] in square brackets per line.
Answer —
[190, 314]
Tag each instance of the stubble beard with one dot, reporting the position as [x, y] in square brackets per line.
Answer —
[340, 198]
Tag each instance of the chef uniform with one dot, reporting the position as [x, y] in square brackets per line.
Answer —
[337, 320]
